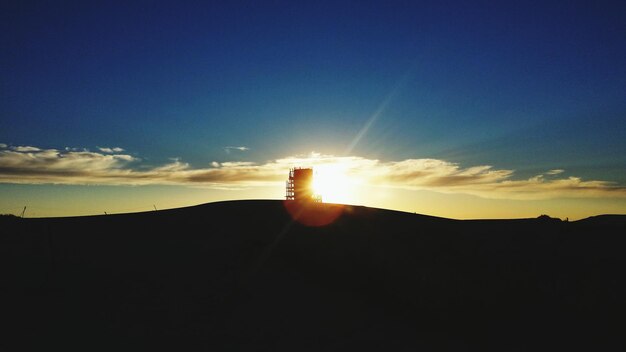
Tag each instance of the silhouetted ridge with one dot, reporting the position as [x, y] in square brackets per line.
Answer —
[609, 219]
[242, 275]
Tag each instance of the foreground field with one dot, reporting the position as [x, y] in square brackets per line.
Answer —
[244, 276]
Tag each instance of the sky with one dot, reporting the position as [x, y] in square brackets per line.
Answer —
[458, 109]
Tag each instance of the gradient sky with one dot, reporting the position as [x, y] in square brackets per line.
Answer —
[520, 107]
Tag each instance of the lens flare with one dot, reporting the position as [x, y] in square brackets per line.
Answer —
[312, 213]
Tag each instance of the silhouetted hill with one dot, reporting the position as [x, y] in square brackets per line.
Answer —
[242, 276]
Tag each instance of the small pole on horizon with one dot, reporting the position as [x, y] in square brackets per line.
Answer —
[23, 211]
[155, 209]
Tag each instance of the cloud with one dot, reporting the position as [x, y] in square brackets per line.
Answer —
[555, 172]
[27, 164]
[26, 149]
[110, 150]
[240, 148]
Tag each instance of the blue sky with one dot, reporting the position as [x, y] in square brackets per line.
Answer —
[530, 86]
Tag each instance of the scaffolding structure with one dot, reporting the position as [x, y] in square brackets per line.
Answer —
[299, 186]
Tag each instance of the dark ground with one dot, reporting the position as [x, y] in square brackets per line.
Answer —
[235, 276]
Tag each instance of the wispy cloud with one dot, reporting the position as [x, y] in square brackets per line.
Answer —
[240, 148]
[555, 172]
[25, 149]
[71, 166]
[110, 150]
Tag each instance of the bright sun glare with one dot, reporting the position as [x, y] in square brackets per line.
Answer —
[333, 184]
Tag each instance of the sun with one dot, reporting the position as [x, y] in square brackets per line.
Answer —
[331, 181]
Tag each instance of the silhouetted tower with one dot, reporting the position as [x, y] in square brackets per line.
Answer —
[300, 185]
